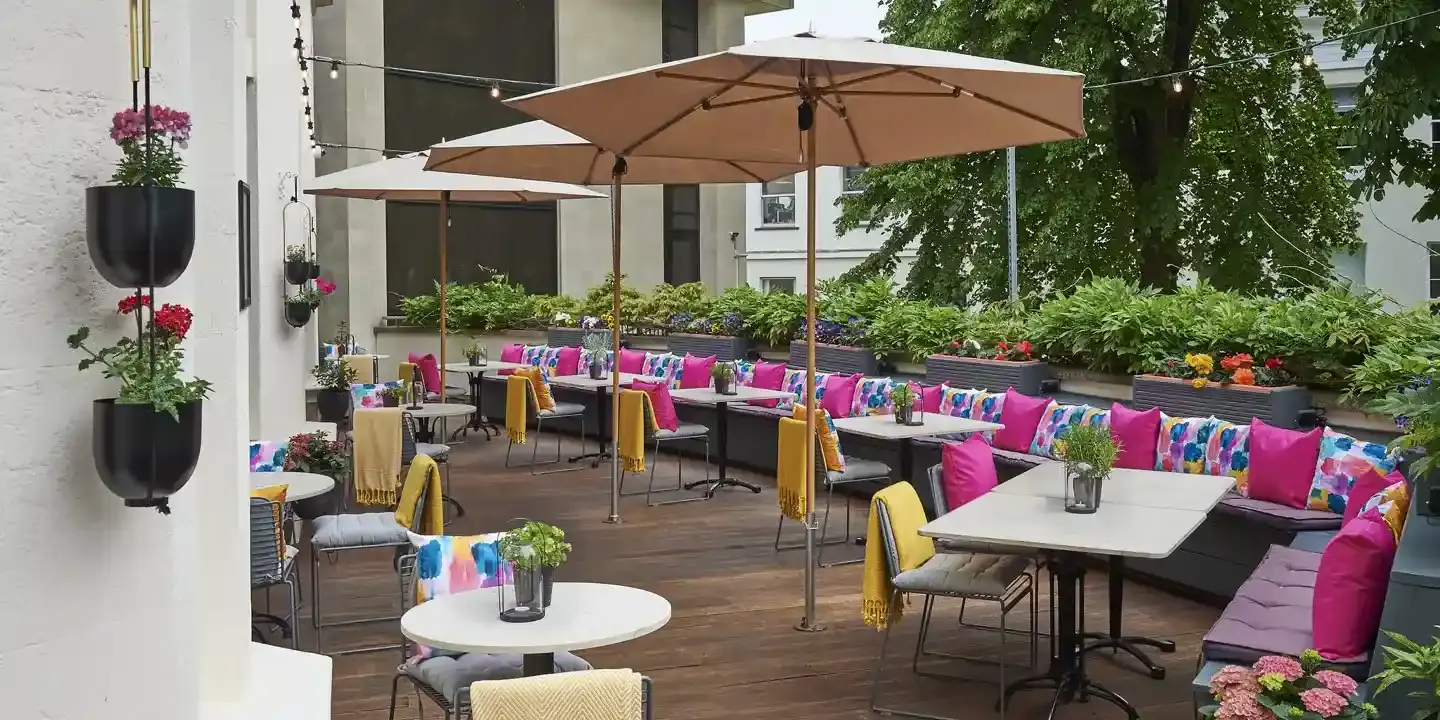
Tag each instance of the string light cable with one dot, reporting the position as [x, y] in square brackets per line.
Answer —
[496, 86]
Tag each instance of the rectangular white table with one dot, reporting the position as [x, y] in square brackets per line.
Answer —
[884, 427]
[601, 386]
[475, 373]
[708, 396]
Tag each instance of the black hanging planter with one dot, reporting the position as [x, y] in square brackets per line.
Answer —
[314, 270]
[297, 271]
[143, 455]
[116, 222]
[297, 314]
[334, 405]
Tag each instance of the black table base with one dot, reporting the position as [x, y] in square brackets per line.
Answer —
[478, 421]
[722, 478]
[425, 432]
[538, 664]
[602, 403]
[1116, 640]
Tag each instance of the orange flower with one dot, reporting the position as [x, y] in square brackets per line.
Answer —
[1243, 376]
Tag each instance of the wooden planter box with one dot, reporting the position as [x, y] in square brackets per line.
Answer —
[836, 358]
[573, 337]
[725, 348]
[1278, 406]
[993, 375]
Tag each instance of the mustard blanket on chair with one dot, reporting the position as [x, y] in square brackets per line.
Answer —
[907, 515]
[377, 455]
[790, 485]
[424, 475]
[630, 429]
[517, 407]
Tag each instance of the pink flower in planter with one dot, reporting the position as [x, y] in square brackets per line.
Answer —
[324, 286]
[1324, 703]
[1337, 682]
[1288, 668]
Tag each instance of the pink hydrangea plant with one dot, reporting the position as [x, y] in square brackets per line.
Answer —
[1285, 688]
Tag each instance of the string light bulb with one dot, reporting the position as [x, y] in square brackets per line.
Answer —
[1177, 85]
[1124, 62]
[1308, 60]
[316, 150]
[495, 90]
[334, 70]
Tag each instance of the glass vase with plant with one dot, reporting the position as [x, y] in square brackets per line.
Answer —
[475, 353]
[1407, 660]
[1089, 453]
[724, 376]
[538, 548]
[597, 347]
[903, 397]
[148, 366]
[1284, 688]
[151, 158]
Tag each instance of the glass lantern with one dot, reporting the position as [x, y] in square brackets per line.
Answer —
[1083, 485]
[522, 595]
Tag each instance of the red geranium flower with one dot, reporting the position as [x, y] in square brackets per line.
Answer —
[1024, 347]
[1002, 346]
[324, 286]
[128, 304]
[174, 319]
[1273, 363]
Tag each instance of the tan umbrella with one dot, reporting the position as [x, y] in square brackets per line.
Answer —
[818, 101]
[542, 151]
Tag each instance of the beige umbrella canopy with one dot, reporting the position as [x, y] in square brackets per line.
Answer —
[542, 151]
[818, 101]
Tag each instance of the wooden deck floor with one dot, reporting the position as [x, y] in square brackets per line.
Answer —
[729, 650]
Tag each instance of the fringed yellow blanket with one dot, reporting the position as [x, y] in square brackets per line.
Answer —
[587, 695]
[377, 455]
[517, 408]
[634, 410]
[424, 475]
[906, 516]
[790, 484]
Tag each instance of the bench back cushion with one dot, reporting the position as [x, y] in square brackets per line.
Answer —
[1181, 446]
[1350, 587]
[1282, 463]
[1136, 432]
[1343, 460]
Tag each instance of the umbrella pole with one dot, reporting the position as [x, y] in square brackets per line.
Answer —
[444, 281]
[615, 174]
[808, 623]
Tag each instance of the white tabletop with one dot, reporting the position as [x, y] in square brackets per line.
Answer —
[885, 427]
[1041, 522]
[584, 382]
[432, 410]
[1145, 488]
[302, 485]
[489, 366]
[708, 396]
[581, 615]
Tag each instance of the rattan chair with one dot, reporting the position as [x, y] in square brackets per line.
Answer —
[857, 470]
[684, 431]
[272, 564]
[646, 703]
[559, 412]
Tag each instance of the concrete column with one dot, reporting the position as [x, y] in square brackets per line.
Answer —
[722, 207]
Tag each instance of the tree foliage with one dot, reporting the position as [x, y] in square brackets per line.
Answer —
[1165, 180]
[1401, 86]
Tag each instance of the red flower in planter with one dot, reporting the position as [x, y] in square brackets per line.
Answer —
[324, 286]
[174, 319]
[1273, 363]
[1024, 347]
[128, 304]
[1231, 363]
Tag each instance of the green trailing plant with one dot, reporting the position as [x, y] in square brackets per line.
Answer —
[1089, 445]
[1415, 406]
[334, 374]
[1407, 660]
[535, 545]
[297, 253]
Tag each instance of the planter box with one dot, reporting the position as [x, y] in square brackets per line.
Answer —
[725, 348]
[836, 358]
[993, 375]
[573, 337]
[1278, 406]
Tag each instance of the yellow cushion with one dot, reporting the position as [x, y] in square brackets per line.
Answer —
[405, 373]
[540, 385]
[275, 494]
[829, 439]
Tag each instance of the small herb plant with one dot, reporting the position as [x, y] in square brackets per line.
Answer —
[472, 351]
[1089, 445]
[296, 253]
[595, 343]
[722, 371]
[535, 545]
[334, 375]
[1409, 660]
[397, 392]
[903, 395]
[312, 295]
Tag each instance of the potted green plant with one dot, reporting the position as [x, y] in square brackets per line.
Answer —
[596, 345]
[391, 396]
[333, 397]
[1007, 364]
[721, 335]
[536, 546]
[1418, 666]
[903, 396]
[140, 229]
[300, 306]
[297, 264]
[475, 353]
[724, 375]
[146, 439]
[1089, 453]
[317, 453]
[1236, 389]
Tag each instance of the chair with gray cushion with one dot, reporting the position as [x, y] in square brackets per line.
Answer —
[438, 452]
[1002, 579]
[272, 563]
[683, 431]
[560, 412]
[445, 677]
[857, 470]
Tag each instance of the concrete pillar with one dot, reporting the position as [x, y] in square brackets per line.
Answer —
[722, 207]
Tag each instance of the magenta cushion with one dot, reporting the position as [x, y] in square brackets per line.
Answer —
[969, 470]
[511, 354]
[840, 394]
[1282, 463]
[632, 361]
[660, 403]
[1136, 433]
[568, 363]
[1367, 486]
[429, 370]
[1020, 415]
[695, 371]
[930, 396]
[767, 376]
[1350, 587]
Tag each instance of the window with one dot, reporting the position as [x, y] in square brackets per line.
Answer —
[778, 285]
[682, 233]
[854, 180]
[777, 202]
[1434, 249]
[680, 29]
[1344, 99]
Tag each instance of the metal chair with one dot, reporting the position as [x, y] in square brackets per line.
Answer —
[272, 563]
[684, 431]
[1003, 579]
[439, 452]
[646, 702]
[446, 678]
[560, 411]
[857, 470]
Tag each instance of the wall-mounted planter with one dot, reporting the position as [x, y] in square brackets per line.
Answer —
[119, 225]
[725, 348]
[142, 455]
[993, 375]
[835, 358]
[573, 337]
[297, 314]
[297, 271]
[1278, 406]
[314, 270]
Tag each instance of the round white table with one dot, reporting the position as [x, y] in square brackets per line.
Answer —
[302, 485]
[581, 616]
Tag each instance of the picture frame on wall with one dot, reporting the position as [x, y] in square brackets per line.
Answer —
[245, 242]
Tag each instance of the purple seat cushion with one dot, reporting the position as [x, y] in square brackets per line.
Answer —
[1278, 516]
[1271, 613]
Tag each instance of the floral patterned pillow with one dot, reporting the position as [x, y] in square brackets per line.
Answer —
[955, 402]
[986, 406]
[1342, 461]
[667, 366]
[532, 354]
[367, 395]
[795, 383]
[1182, 444]
[744, 372]
[550, 359]
[452, 564]
[872, 397]
[1393, 504]
[1227, 454]
[607, 360]
[268, 456]
[1057, 420]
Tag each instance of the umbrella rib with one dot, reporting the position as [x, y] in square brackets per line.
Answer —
[590, 171]
[647, 137]
[718, 81]
[1000, 104]
[749, 101]
[863, 78]
[742, 169]
[439, 166]
[842, 112]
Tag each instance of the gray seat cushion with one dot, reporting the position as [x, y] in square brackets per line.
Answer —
[563, 409]
[451, 391]
[748, 409]
[1017, 459]
[1278, 516]
[683, 430]
[969, 574]
[857, 469]
[971, 546]
[449, 674]
[436, 451]
[357, 529]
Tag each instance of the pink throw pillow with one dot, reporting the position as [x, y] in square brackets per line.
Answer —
[1282, 463]
[1136, 433]
[568, 362]
[969, 470]
[1350, 587]
[930, 397]
[660, 403]
[1367, 486]
[429, 370]
[695, 371]
[840, 394]
[767, 376]
[632, 361]
[1020, 416]
[511, 354]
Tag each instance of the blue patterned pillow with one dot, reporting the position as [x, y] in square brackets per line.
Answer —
[872, 397]
[367, 395]
[268, 456]
[795, 383]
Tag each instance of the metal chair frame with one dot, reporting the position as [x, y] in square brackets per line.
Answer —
[533, 403]
[679, 470]
[409, 449]
[822, 472]
[269, 567]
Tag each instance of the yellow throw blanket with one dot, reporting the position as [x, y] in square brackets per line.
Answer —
[790, 483]
[424, 475]
[364, 367]
[377, 455]
[634, 409]
[586, 695]
[517, 407]
[906, 516]
[405, 372]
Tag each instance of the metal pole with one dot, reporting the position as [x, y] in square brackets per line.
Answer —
[444, 280]
[1014, 242]
[617, 172]
[808, 623]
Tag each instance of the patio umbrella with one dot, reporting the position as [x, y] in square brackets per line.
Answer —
[818, 101]
[542, 151]
[405, 178]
